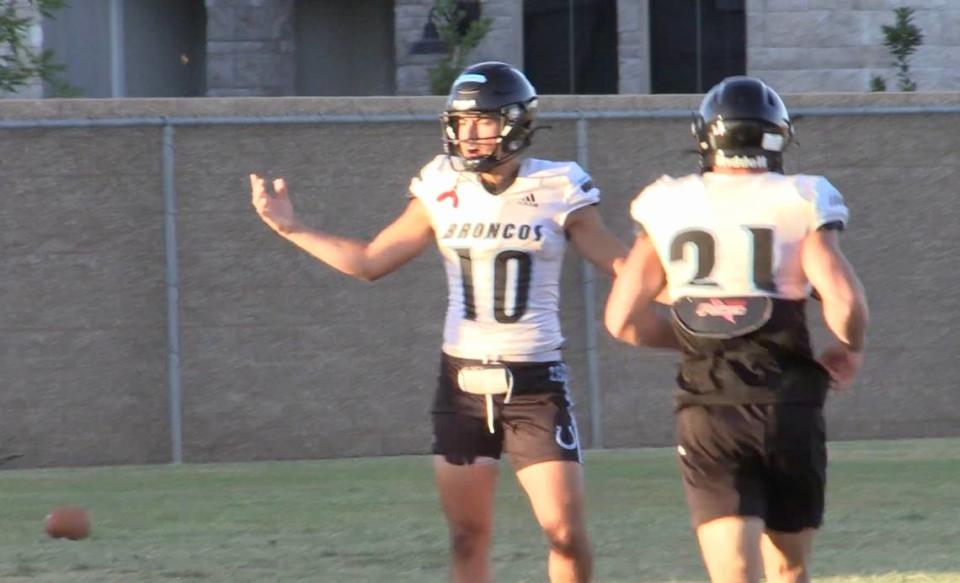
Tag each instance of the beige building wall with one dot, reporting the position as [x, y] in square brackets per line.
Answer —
[633, 50]
[504, 42]
[837, 45]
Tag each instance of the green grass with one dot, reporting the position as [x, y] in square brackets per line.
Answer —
[893, 516]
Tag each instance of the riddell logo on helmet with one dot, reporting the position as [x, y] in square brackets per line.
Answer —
[721, 160]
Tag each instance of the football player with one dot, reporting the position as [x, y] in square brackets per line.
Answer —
[737, 247]
[501, 221]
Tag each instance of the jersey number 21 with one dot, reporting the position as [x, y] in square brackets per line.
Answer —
[761, 239]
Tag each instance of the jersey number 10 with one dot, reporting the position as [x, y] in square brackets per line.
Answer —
[520, 293]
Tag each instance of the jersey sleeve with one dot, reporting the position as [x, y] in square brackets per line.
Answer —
[432, 180]
[643, 207]
[579, 193]
[827, 202]
[639, 212]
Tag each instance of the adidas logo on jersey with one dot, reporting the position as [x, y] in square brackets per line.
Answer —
[529, 200]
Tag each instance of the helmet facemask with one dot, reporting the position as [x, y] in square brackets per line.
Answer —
[514, 135]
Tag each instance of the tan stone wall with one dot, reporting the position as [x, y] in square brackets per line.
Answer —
[504, 41]
[283, 358]
[837, 45]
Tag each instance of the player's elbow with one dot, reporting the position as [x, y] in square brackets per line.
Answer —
[614, 324]
[368, 275]
[368, 268]
[620, 327]
[859, 311]
[615, 329]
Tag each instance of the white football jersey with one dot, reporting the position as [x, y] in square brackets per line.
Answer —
[725, 235]
[503, 255]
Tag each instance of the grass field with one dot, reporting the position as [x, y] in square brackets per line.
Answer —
[893, 516]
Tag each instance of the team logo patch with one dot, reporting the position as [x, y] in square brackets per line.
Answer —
[729, 310]
[452, 195]
[715, 317]
[566, 437]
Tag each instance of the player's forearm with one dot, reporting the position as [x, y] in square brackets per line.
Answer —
[847, 320]
[652, 329]
[608, 257]
[348, 256]
[845, 306]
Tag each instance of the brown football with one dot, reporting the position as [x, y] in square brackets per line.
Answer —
[68, 522]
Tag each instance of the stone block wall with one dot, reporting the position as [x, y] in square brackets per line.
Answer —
[633, 50]
[250, 48]
[802, 46]
[504, 42]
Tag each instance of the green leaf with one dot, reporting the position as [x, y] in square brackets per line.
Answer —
[21, 64]
[449, 21]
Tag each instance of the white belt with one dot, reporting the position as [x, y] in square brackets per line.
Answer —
[544, 356]
[488, 379]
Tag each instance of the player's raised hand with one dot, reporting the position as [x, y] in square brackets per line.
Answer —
[276, 210]
[842, 364]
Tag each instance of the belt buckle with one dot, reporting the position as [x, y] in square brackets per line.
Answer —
[488, 379]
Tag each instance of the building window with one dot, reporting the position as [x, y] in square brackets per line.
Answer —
[695, 44]
[570, 46]
[147, 48]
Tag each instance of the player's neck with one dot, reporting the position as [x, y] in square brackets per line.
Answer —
[501, 177]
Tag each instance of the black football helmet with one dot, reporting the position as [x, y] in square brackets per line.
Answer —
[742, 123]
[484, 89]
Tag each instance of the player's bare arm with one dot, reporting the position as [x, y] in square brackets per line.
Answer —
[593, 241]
[844, 303]
[631, 313]
[394, 246]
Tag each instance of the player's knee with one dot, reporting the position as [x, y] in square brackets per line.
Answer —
[734, 568]
[567, 541]
[785, 572]
[468, 540]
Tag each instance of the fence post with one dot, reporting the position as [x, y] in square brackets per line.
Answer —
[172, 278]
[589, 309]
